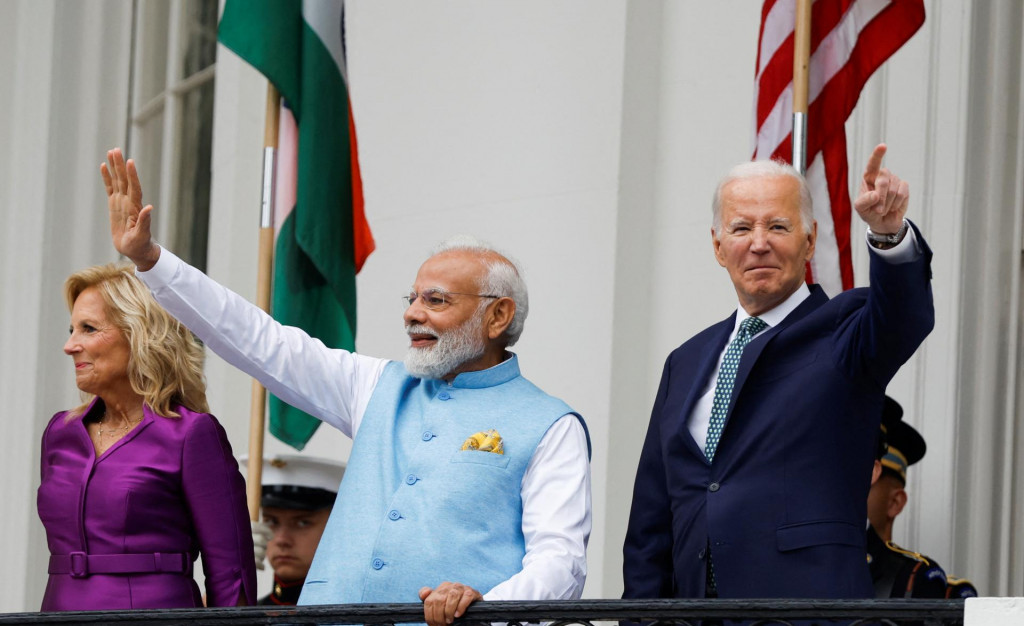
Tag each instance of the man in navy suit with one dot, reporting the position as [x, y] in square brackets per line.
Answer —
[757, 463]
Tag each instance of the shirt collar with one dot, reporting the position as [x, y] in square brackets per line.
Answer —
[775, 316]
[490, 377]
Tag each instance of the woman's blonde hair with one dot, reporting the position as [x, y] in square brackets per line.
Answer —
[166, 363]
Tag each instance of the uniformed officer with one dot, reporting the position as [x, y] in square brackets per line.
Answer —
[298, 493]
[896, 572]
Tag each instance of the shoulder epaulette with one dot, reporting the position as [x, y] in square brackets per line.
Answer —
[917, 556]
[960, 588]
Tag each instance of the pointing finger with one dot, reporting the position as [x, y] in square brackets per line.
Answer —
[874, 164]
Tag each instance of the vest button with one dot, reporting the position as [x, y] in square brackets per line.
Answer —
[444, 395]
[377, 564]
[713, 487]
[427, 435]
[394, 515]
[410, 479]
[703, 552]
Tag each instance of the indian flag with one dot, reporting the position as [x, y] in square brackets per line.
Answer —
[322, 238]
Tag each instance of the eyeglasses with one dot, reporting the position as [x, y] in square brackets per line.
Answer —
[436, 298]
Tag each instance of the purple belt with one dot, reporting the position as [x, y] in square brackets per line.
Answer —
[80, 564]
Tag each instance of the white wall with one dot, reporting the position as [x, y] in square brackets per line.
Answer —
[585, 138]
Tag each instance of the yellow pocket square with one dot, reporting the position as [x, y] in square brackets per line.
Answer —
[486, 441]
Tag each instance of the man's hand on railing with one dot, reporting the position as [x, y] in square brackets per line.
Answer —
[442, 604]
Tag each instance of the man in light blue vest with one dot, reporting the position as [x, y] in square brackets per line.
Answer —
[465, 482]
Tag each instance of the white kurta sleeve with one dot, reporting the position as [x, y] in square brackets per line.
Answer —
[556, 518]
[332, 385]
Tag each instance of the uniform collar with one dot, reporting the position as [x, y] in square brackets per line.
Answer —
[286, 592]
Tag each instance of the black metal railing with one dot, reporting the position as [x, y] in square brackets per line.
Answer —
[584, 612]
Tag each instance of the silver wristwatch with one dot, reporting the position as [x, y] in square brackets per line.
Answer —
[890, 239]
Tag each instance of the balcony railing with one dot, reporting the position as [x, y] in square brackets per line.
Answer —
[585, 612]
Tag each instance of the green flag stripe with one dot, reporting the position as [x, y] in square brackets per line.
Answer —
[314, 269]
[324, 228]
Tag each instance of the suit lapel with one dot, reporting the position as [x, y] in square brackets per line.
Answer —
[700, 374]
[753, 350]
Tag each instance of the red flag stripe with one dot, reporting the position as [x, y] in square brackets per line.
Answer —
[878, 40]
[830, 56]
[777, 72]
[837, 175]
[362, 238]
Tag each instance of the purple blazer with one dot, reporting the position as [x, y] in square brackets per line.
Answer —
[124, 529]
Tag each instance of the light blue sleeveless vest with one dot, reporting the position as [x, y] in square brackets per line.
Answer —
[414, 509]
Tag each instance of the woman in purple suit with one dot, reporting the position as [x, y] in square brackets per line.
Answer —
[140, 480]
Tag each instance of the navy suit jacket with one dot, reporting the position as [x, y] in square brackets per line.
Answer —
[783, 506]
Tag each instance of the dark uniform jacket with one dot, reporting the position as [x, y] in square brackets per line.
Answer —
[286, 594]
[899, 573]
[960, 588]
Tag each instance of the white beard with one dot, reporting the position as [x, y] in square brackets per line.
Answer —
[452, 349]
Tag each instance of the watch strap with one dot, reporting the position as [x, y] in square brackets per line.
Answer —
[889, 239]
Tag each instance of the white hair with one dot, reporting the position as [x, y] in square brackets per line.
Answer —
[453, 348]
[763, 169]
[504, 278]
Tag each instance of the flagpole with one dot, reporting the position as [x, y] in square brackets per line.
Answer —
[801, 63]
[254, 480]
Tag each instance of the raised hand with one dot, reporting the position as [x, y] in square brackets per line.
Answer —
[129, 220]
[442, 604]
[883, 198]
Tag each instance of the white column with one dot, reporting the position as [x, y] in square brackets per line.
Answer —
[67, 77]
[989, 475]
[28, 40]
[630, 298]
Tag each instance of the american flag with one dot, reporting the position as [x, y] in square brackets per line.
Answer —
[850, 39]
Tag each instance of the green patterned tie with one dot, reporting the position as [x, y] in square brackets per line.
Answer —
[726, 377]
[723, 392]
